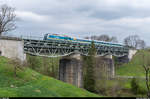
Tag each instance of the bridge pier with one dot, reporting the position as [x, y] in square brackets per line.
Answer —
[71, 68]
[106, 65]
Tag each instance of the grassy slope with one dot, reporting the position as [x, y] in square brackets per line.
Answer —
[29, 83]
[134, 67]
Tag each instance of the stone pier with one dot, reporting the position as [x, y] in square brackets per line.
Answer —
[105, 64]
[71, 70]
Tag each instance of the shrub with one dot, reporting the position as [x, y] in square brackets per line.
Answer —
[33, 62]
[109, 87]
[16, 63]
[136, 88]
[44, 65]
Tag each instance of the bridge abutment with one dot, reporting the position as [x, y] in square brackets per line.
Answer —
[126, 58]
[12, 47]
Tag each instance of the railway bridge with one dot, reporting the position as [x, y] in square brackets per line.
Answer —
[70, 67]
[71, 63]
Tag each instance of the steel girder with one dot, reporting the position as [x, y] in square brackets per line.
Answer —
[56, 48]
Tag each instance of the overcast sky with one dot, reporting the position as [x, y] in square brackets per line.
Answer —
[81, 18]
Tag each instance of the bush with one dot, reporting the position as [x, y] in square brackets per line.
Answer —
[136, 88]
[17, 64]
[109, 87]
[44, 65]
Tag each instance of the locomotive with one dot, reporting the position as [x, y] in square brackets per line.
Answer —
[49, 36]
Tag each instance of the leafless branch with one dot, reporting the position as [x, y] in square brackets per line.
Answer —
[7, 19]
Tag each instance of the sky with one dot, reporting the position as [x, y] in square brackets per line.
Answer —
[81, 18]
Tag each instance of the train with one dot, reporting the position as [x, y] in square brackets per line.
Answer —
[49, 36]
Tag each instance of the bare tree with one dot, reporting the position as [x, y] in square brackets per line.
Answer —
[7, 19]
[103, 37]
[141, 44]
[132, 41]
[114, 39]
[135, 42]
[94, 37]
[87, 37]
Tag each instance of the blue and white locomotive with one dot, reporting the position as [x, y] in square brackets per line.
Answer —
[59, 37]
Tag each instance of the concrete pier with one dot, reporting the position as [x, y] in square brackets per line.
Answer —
[71, 68]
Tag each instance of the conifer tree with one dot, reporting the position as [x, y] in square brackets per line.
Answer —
[89, 78]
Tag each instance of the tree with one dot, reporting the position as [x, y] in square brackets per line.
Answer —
[132, 41]
[103, 37]
[141, 44]
[114, 39]
[7, 19]
[93, 37]
[89, 78]
[87, 37]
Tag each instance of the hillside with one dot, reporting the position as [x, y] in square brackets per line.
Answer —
[134, 67]
[29, 83]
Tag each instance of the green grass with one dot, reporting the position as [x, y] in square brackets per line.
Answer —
[30, 83]
[134, 67]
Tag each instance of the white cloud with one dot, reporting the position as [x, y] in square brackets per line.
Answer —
[130, 22]
[26, 15]
[129, 3]
[84, 17]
